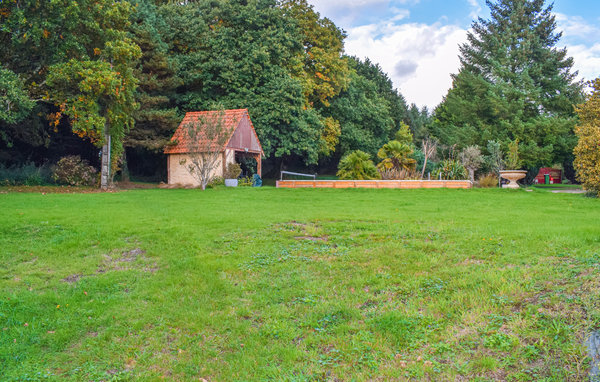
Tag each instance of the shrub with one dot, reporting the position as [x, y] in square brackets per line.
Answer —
[357, 165]
[233, 171]
[216, 181]
[396, 157]
[488, 181]
[245, 182]
[451, 169]
[495, 160]
[587, 151]
[513, 158]
[472, 159]
[26, 174]
[74, 171]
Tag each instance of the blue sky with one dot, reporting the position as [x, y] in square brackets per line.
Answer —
[416, 41]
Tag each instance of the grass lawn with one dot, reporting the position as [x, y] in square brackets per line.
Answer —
[557, 186]
[297, 285]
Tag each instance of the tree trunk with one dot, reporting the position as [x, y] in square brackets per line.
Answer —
[472, 175]
[105, 179]
[424, 166]
[124, 169]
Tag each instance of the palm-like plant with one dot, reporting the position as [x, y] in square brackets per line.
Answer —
[357, 165]
[395, 157]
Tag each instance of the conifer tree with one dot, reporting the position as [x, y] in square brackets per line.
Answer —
[514, 83]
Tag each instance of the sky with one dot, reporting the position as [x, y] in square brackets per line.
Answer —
[416, 42]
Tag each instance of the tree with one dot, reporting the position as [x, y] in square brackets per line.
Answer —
[15, 104]
[324, 72]
[429, 149]
[204, 140]
[365, 115]
[75, 56]
[404, 135]
[395, 160]
[157, 117]
[587, 151]
[513, 84]
[472, 159]
[246, 54]
[99, 98]
[495, 159]
[357, 165]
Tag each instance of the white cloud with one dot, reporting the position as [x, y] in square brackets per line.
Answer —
[475, 9]
[418, 57]
[576, 33]
[587, 60]
[575, 27]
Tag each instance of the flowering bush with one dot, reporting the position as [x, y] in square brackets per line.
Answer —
[74, 171]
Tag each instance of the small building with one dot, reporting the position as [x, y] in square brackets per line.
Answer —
[242, 142]
[554, 176]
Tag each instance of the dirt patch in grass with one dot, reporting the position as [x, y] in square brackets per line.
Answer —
[72, 278]
[124, 261]
[312, 238]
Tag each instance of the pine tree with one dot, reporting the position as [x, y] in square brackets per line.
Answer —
[514, 83]
[157, 117]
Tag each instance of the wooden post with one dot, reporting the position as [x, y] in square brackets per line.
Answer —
[259, 165]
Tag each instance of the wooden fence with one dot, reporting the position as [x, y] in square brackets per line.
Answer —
[403, 184]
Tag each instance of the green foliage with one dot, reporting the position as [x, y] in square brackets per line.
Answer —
[451, 169]
[245, 181]
[513, 84]
[215, 182]
[472, 159]
[74, 171]
[404, 135]
[15, 104]
[157, 117]
[249, 55]
[513, 158]
[357, 165]
[495, 158]
[396, 157]
[323, 73]
[27, 174]
[419, 121]
[369, 110]
[587, 151]
[233, 171]
[76, 56]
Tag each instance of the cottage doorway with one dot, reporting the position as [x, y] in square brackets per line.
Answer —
[249, 162]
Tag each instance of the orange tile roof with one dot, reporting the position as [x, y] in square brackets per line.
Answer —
[231, 120]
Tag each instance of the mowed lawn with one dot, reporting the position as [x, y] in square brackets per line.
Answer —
[298, 285]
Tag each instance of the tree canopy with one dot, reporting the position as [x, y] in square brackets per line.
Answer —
[514, 83]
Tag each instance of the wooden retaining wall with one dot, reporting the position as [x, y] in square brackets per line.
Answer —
[404, 184]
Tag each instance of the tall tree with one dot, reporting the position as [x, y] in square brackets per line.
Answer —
[370, 110]
[240, 54]
[587, 151]
[158, 117]
[323, 71]
[75, 55]
[514, 83]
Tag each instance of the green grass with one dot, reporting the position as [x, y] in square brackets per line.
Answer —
[557, 186]
[298, 285]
